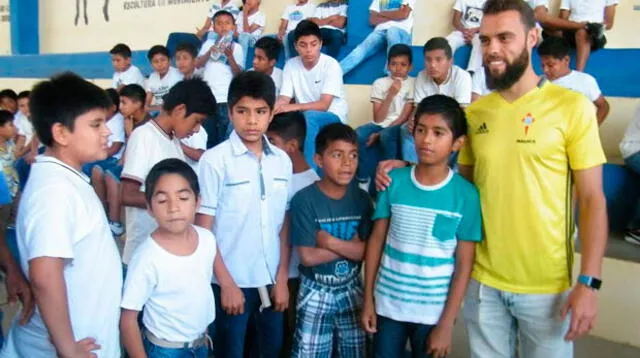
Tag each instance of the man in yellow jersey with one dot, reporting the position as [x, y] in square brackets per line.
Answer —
[529, 140]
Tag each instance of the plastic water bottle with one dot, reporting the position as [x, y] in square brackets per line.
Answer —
[218, 52]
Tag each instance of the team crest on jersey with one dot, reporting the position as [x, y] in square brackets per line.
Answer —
[527, 122]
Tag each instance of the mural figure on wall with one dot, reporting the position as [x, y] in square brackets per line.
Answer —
[105, 11]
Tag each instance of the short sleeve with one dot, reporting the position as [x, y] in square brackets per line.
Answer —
[136, 163]
[612, 2]
[343, 10]
[378, 91]
[286, 88]
[238, 55]
[375, 6]
[286, 12]
[261, 21]
[333, 84]
[409, 3]
[140, 280]
[383, 204]
[470, 227]
[419, 92]
[205, 47]
[303, 225]
[366, 221]
[117, 130]
[458, 5]
[211, 180]
[593, 90]
[565, 5]
[463, 89]
[583, 145]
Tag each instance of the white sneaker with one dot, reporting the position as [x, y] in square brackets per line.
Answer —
[116, 228]
[632, 236]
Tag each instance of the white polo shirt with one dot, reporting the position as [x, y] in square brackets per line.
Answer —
[587, 10]
[147, 145]
[61, 216]
[248, 199]
[160, 86]
[392, 5]
[379, 91]
[457, 85]
[217, 73]
[130, 76]
[580, 82]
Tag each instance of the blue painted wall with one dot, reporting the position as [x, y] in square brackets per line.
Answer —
[25, 38]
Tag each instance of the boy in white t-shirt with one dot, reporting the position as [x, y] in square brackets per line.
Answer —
[467, 15]
[331, 16]
[222, 59]
[291, 17]
[207, 28]
[265, 56]
[315, 81]
[163, 77]
[125, 72]
[598, 15]
[554, 58]
[250, 23]
[393, 21]
[186, 105]
[65, 247]
[170, 273]
[185, 57]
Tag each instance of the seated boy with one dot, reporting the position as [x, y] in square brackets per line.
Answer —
[331, 16]
[393, 21]
[186, 105]
[554, 57]
[185, 57]
[330, 221]
[427, 224]
[245, 184]
[9, 100]
[124, 72]
[249, 24]
[65, 247]
[392, 98]
[314, 80]
[163, 77]
[221, 61]
[207, 28]
[600, 12]
[550, 23]
[265, 55]
[170, 273]
[291, 17]
[467, 15]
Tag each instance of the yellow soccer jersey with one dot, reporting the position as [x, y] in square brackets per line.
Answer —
[523, 153]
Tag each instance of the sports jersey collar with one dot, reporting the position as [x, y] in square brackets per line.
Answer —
[47, 159]
[238, 148]
[430, 187]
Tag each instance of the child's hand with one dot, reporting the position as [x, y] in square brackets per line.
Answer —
[395, 86]
[18, 289]
[439, 341]
[372, 139]
[83, 349]
[229, 51]
[323, 240]
[280, 296]
[382, 172]
[232, 299]
[368, 318]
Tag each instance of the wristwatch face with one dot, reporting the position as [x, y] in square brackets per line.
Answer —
[595, 283]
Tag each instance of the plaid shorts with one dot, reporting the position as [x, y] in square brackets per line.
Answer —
[325, 312]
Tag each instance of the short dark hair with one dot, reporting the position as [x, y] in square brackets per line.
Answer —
[448, 108]
[24, 94]
[334, 132]
[290, 126]
[195, 94]
[555, 47]
[399, 50]
[438, 43]
[158, 50]
[527, 15]
[114, 96]
[223, 13]
[9, 93]
[122, 50]
[134, 92]
[306, 28]
[270, 46]
[5, 116]
[62, 99]
[187, 47]
[170, 166]
[252, 84]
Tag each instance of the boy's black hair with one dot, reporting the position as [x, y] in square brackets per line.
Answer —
[170, 166]
[158, 50]
[9, 93]
[555, 47]
[439, 43]
[24, 94]
[332, 133]
[270, 46]
[290, 126]
[114, 96]
[527, 15]
[62, 99]
[195, 94]
[122, 50]
[448, 108]
[252, 84]
[223, 13]
[5, 116]
[134, 92]
[398, 50]
[187, 47]
[306, 28]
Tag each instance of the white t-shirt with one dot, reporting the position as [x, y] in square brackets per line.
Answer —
[161, 86]
[61, 216]
[217, 73]
[309, 85]
[379, 91]
[299, 181]
[630, 144]
[175, 291]
[276, 76]
[471, 12]
[457, 85]
[130, 76]
[536, 3]
[479, 83]
[147, 145]
[587, 10]
[197, 140]
[23, 126]
[581, 82]
[116, 126]
[257, 18]
[230, 7]
[328, 9]
[296, 13]
[392, 5]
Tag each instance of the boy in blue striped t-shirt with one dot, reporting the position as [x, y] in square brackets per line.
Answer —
[421, 251]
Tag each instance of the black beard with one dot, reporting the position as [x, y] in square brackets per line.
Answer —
[511, 75]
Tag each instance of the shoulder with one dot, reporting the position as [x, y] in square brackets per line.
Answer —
[460, 75]
[292, 65]
[215, 156]
[330, 62]
[303, 196]
[559, 94]
[205, 235]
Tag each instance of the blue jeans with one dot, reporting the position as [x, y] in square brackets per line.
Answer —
[105, 165]
[154, 351]
[390, 142]
[219, 128]
[408, 145]
[497, 319]
[368, 157]
[373, 44]
[633, 163]
[316, 120]
[246, 40]
[391, 338]
[332, 41]
[229, 331]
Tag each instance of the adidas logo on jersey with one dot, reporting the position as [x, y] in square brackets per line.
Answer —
[482, 129]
